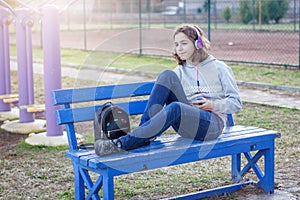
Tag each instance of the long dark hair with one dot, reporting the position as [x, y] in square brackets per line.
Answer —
[190, 32]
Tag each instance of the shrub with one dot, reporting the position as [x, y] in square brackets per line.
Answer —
[227, 14]
[277, 9]
[246, 12]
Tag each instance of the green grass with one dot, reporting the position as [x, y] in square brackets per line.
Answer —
[276, 75]
[245, 27]
[65, 195]
[24, 145]
[67, 55]
[219, 26]
[130, 61]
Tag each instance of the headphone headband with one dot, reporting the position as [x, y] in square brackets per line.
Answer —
[198, 42]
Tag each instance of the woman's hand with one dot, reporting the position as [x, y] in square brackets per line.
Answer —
[204, 105]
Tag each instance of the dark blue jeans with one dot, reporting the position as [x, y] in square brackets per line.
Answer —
[168, 106]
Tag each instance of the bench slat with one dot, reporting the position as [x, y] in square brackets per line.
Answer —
[87, 113]
[100, 93]
[170, 155]
[234, 131]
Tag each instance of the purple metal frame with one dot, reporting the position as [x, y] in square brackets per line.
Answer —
[24, 58]
[52, 64]
[5, 84]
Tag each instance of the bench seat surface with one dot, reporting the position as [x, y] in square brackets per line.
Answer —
[170, 150]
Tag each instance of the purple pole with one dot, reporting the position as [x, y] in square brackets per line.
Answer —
[25, 68]
[52, 64]
[29, 24]
[4, 58]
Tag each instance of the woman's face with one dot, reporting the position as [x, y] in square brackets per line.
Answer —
[184, 47]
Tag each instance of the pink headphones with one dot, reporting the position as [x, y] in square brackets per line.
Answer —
[198, 42]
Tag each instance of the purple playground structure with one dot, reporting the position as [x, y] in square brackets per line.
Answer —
[24, 100]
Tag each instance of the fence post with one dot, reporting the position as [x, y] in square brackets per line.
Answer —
[140, 28]
[84, 25]
[253, 14]
[52, 64]
[208, 19]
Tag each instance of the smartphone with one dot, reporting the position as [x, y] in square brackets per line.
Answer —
[198, 103]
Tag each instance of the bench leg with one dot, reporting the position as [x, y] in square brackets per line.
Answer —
[267, 182]
[236, 168]
[108, 185]
[93, 188]
[265, 178]
[78, 183]
[82, 179]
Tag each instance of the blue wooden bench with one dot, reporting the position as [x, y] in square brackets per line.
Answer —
[252, 142]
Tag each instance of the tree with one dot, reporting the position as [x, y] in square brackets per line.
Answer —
[271, 10]
[262, 12]
[205, 5]
[227, 14]
[277, 9]
[246, 12]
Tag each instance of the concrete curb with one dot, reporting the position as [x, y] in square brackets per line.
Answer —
[42, 139]
[15, 126]
[268, 86]
[153, 74]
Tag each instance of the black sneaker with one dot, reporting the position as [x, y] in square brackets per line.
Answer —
[106, 147]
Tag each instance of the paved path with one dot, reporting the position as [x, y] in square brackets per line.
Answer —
[249, 94]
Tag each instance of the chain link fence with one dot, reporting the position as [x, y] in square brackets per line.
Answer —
[244, 31]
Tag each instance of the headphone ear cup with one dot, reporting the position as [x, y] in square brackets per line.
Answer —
[196, 44]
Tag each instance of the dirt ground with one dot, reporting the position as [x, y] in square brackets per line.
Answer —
[8, 141]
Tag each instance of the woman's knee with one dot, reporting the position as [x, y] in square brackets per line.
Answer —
[174, 108]
[167, 74]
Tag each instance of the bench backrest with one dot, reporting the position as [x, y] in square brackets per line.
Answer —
[70, 113]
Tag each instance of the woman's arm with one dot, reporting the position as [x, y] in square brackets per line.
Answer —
[232, 102]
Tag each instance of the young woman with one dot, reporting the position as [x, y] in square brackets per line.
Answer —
[194, 98]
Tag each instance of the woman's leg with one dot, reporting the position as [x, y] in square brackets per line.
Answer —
[166, 89]
[205, 125]
[166, 117]
[188, 121]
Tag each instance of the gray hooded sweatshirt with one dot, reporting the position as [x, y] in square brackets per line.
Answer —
[213, 80]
